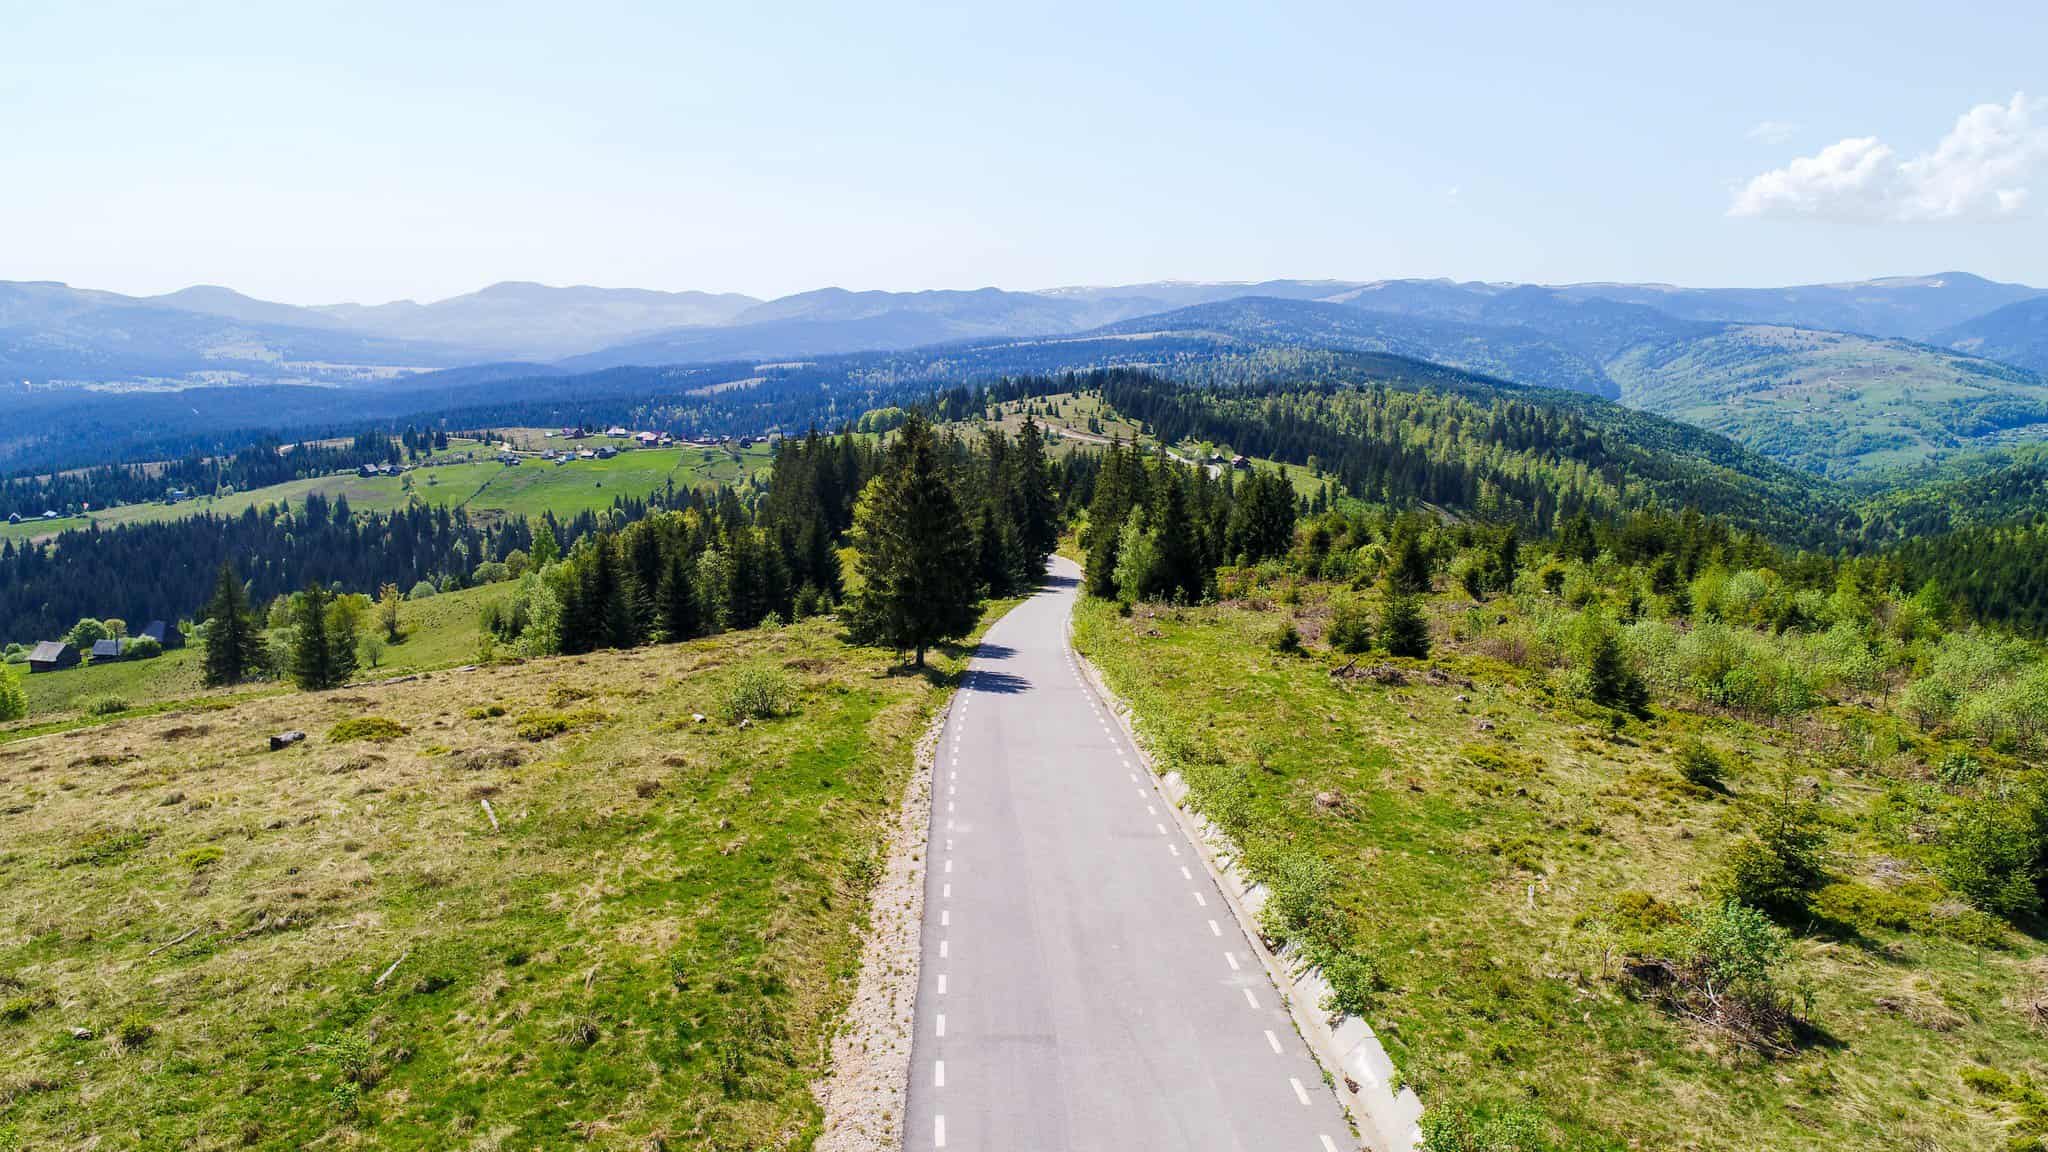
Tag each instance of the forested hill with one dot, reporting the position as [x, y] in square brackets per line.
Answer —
[1467, 445]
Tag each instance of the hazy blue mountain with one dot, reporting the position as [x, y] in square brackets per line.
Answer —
[54, 333]
[1914, 307]
[524, 321]
[2016, 334]
[833, 320]
[212, 300]
[1521, 354]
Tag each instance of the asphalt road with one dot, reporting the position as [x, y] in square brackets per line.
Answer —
[1084, 985]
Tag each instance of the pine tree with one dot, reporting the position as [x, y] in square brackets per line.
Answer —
[1036, 511]
[913, 552]
[1410, 574]
[675, 600]
[234, 648]
[546, 549]
[312, 648]
[1403, 627]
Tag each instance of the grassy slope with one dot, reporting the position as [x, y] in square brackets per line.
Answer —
[650, 949]
[1829, 402]
[484, 487]
[1485, 835]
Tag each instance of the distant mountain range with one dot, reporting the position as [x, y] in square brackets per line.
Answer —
[1830, 377]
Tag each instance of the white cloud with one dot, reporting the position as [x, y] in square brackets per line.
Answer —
[1774, 132]
[1981, 169]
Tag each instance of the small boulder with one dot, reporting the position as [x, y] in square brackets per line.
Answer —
[286, 739]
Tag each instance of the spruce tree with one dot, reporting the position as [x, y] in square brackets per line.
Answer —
[312, 649]
[675, 600]
[234, 648]
[913, 552]
[1403, 627]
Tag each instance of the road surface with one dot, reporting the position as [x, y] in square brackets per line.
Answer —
[1084, 985]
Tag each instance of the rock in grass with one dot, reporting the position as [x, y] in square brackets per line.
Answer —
[286, 739]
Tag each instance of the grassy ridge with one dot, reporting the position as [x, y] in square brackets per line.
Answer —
[334, 946]
[1488, 843]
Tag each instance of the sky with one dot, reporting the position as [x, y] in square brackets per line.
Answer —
[366, 151]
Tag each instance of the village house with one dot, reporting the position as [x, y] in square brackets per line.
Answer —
[163, 633]
[51, 655]
[109, 650]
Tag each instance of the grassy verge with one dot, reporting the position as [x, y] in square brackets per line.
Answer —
[543, 906]
[1485, 846]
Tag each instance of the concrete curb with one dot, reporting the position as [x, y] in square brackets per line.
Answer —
[1387, 1119]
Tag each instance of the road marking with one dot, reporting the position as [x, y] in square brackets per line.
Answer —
[1329, 1145]
[1270, 1038]
[1173, 848]
[1161, 827]
[1213, 930]
[938, 1131]
[942, 1023]
[943, 948]
[1185, 874]
[949, 805]
[942, 987]
[952, 789]
[946, 921]
[1300, 1093]
[1198, 900]
[1140, 792]
[949, 865]
[1232, 957]
[1151, 811]
[938, 1074]
[948, 893]
[1134, 778]
[1248, 998]
[949, 843]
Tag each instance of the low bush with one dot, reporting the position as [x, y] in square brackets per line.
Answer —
[1287, 641]
[1350, 628]
[541, 725]
[375, 729]
[1995, 853]
[1783, 864]
[105, 705]
[756, 692]
[1700, 765]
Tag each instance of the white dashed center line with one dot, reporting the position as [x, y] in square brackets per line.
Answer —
[942, 949]
[1329, 1145]
[1270, 1038]
[939, 1074]
[1300, 1093]
[938, 1131]
[1199, 902]
[1214, 930]
[1185, 874]
[942, 985]
[941, 1022]
[1232, 957]
[1248, 998]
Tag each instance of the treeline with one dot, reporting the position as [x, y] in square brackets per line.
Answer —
[165, 570]
[257, 465]
[1998, 575]
[714, 564]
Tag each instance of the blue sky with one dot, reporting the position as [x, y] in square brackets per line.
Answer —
[374, 151]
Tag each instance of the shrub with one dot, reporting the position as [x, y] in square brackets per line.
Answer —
[542, 725]
[376, 729]
[757, 692]
[105, 705]
[1350, 628]
[1610, 680]
[1724, 967]
[1958, 770]
[1287, 640]
[200, 858]
[134, 1031]
[1355, 982]
[421, 591]
[13, 698]
[1300, 905]
[1995, 852]
[1700, 764]
[143, 648]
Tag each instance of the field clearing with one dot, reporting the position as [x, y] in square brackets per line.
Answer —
[440, 631]
[547, 908]
[1484, 840]
[482, 487]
